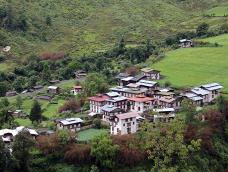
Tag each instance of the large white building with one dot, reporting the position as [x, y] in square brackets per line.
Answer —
[125, 123]
[140, 103]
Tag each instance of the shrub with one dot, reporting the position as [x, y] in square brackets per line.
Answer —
[77, 153]
[97, 123]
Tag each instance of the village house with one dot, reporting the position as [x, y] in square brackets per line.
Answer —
[53, 90]
[151, 73]
[80, 74]
[170, 102]
[54, 81]
[164, 114]
[8, 135]
[125, 123]
[38, 87]
[120, 102]
[129, 92]
[140, 103]
[76, 89]
[121, 76]
[131, 79]
[109, 111]
[72, 124]
[186, 43]
[11, 93]
[213, 89]
[202, 93]
[164, 93]
[96, 102]
[151, 86]
[194, 98]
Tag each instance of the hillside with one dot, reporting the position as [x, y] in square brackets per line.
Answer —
[80, 27]
[195, 66]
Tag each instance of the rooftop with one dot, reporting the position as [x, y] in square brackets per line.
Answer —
[200, 91]
[129, 90]
[167, 99]
[164, 110]
[212, 86]
[127, 115]
[69, 121]
[99, 98]
[111, 108]
[149, 70]
[117, 99]
[140, 98]
[146, 83]
[53, 87]
[112, 94]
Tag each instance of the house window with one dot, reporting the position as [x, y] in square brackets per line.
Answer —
[123, 124]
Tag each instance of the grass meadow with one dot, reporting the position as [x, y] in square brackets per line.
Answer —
[195, 66]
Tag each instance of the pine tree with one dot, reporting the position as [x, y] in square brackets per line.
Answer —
[36, 112]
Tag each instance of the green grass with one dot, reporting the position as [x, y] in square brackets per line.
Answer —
[89, 134]
[67, 84]
[24, 122]
[219, 11]
[195, 66]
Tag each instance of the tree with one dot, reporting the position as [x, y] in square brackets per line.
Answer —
[202, 29]
[21, 150]
[3, 88]
[165, 145]
[189, 109]
[3, 156]
[97, 123]
[104, 151]
[48, 21]
[46, 73]
[19, 102]
[36, 112]
[95, 83]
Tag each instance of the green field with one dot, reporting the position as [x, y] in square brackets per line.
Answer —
[219, 11]
[195, 66]
[89, 134]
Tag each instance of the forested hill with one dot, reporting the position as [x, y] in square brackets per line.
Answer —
[82, 26]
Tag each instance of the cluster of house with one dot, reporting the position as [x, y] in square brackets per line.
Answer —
[8, 135]
[128, 104]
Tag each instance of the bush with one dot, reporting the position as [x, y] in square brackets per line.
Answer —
[77, 154]
[97, 123]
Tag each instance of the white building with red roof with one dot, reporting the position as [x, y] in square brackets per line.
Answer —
[96, 102]
[76, 89]
[125, 123]
[141, 103]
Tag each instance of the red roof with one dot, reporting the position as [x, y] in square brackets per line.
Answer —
[99, 98]
[140, 98]
[127, 115]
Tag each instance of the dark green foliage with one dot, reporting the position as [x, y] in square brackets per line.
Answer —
[202, 29]
[21, 151]
[97, 123]
[36, 112]
[3, 88]
[104, 151]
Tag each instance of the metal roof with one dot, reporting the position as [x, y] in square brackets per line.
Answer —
[200, 91]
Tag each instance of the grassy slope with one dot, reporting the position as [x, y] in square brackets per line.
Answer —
[194, 66]
[80, 27]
